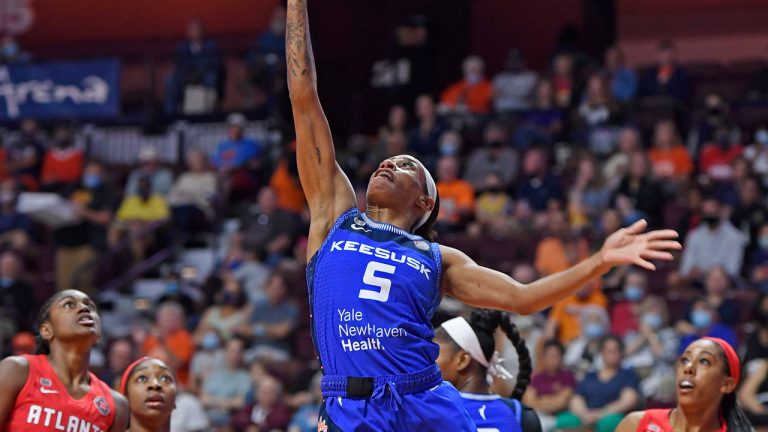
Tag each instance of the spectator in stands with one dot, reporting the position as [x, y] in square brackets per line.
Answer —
[239, 160]
[197, 63]
[226, 314]
[268, 412]
[625, 314]
[617, 165]
[563, 80]
[269, 230]
[703, 321]
[266, 63]
[286, 185]
[209, 356]
[23, 343]
[305, 418]
[756, 347]
[597, 115]
[717, 157]
[494, 157]
[667, 77]
[189, 414]
[77, 245]
[192, 194]
[397, 122]
[715, 116]
[670, 160]
[583, 353]
[750, 212]
[169, 336]
[757, 153]
[588, 195]
[603, 397]
[457, 197]
[542, 124]
[537, 185]
[718, 293]
[473, 94]
[753, 393]
[622, 78]
[223, 390]
[513, 87]
[564, 322]
[715, 242]
[11, 52]
[161, 178]
[63, 163]
[136, 216]
[17, 230]
[562, 248]
[640, 191]
[758, 260]
[120, 355]
[493, 206]
[424, 136]
[552, 385]
[652, 349]
[24, 155]
[271, 321]
[17, 299]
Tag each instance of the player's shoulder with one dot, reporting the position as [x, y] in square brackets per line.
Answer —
[14, 371]
[631, 421]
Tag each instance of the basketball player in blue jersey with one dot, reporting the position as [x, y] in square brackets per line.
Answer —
[468, 356]
[375, 278]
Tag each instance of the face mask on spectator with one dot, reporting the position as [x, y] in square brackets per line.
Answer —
[762, 137]
[652, 320]
[91, 181]
[473, 78]
[210, 341]
[593, 330]
[10, 50]
[763, 318]
[6, 282]
[633, 293]
[763, 242]
[701, 319]
[449, 148]
[7, 197]
[229, 298]
[712, 220]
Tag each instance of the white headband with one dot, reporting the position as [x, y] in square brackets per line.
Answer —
[432, 191]
[461, 332]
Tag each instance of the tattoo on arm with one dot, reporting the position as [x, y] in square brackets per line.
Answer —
[298, 45]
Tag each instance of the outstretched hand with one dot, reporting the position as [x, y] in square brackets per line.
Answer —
[631, 246]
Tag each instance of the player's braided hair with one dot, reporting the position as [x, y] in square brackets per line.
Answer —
[41, 345]
[735, 418]
[484, 322]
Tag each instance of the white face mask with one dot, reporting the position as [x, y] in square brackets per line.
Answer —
[473, 78]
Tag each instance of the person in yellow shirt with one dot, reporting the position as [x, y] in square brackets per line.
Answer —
[136, 214]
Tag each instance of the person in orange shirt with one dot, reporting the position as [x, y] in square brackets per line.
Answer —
[171, 338]
[290, 196]
[457, 197]
[564, 322]
[559, 250]
[669, 158]
[63, 163]
[473, 93]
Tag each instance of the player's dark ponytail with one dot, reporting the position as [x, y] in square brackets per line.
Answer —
[485, 322]
[427, 231]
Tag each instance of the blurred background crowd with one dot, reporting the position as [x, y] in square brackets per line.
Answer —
[190, 228]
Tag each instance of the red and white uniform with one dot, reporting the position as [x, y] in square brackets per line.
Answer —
[657, 420]
[44, 404]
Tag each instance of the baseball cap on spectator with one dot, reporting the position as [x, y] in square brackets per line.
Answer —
[147, 154]
[23, 343]
[236, 119]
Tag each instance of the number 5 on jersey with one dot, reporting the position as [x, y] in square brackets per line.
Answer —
[383, 284]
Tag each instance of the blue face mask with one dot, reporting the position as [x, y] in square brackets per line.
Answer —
[763, 242]
[10, 50]
[210, 341]
[171, 287]
[652, 320]
[6, 282]
[593, 330]
[633, 293]
[762, 136]
[91, 181]
[701, 319]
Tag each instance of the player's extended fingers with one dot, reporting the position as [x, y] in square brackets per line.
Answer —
[665, 234]
[645, 264]
[652, 254]
[664, 245]
[637, 227]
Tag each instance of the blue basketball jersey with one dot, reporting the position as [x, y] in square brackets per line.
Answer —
[373, 289]
[492, 413]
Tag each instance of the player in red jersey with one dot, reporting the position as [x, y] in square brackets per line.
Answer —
[53, 390]
[708, 373]
[150, 386]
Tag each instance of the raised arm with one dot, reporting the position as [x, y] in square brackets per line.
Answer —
[327, 189]
[482, 287]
